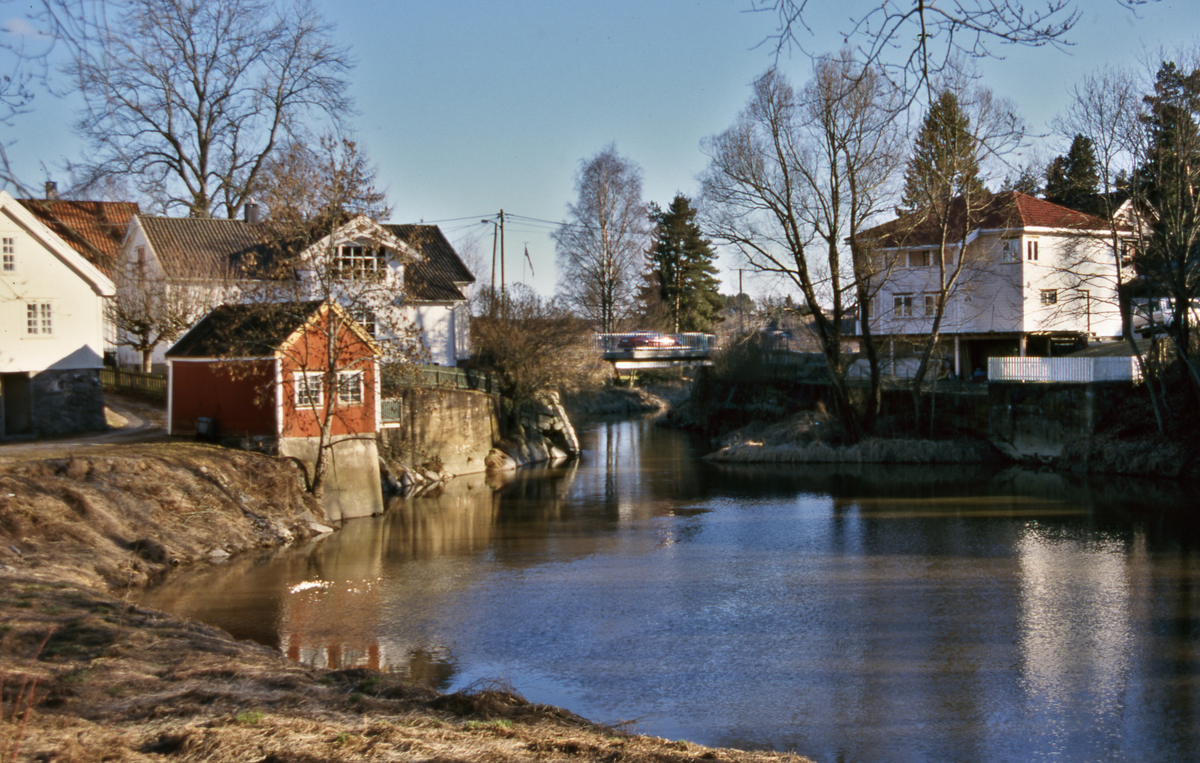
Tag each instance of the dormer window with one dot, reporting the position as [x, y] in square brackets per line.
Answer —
[357, 262]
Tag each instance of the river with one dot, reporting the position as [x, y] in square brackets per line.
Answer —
[850, 614]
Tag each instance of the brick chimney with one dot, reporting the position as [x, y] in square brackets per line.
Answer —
[252, 212]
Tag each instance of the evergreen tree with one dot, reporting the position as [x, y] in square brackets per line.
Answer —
[681, 261]
[945, 160]
[1027, 181]
[1074, 175]
[1168, 189]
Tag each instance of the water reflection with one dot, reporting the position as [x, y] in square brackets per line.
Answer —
[850, 613]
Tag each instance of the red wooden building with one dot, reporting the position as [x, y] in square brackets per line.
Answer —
[274, 370]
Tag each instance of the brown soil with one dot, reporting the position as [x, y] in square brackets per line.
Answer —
[87, 676]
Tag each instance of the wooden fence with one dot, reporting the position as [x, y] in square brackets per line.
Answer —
[1063, 370]
[136, 382]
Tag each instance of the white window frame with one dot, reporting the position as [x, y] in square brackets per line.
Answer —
[350, 387]
[1031, 250]
[1049, 296]
[357, 262]
[310, 389]
[902, 305]
[1011, 247]
[39, 319]
[367, 319]
[930, 305]
[919, 259]
[8, 254]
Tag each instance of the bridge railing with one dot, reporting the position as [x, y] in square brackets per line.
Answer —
[686, 342]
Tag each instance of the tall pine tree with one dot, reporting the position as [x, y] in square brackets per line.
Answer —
[945, 160]
[1074, 175]
[681, 262]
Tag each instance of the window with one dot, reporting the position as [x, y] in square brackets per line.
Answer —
[1049, 296]
[39, 320]
[918, 259]
[902, 305]
[1011, 247]
[1031, 251]
[350, 387]
[309, 388]
[366, 319]
[8, 254]
[357, 262]
[930, 305]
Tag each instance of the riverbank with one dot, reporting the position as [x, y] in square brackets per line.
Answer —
[103, 679]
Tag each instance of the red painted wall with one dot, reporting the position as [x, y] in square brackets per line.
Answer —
[309, 353]
[238, 395]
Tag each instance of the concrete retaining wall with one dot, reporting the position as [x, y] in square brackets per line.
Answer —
[455, 427]
[352, 485]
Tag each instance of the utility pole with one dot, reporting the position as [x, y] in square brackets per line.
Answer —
[503, 282]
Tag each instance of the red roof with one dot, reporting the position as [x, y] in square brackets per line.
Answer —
[95, 229]
[1009, 210]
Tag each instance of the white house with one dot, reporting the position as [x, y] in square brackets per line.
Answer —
[1035, 276]
[402, 282]
[51, 329]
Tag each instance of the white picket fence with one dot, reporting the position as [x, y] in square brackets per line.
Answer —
[1065, 370]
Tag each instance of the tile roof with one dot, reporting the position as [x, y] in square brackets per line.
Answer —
[195, 247]
[436, 278]
[1010, 210]
[244, 331]
[95, 229]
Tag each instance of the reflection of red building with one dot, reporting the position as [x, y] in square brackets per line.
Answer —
[274, 370]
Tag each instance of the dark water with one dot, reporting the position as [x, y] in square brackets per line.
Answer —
[845, 613]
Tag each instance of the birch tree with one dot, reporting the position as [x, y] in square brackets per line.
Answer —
[602, 245]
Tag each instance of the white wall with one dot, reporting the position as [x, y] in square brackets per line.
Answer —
[42, 276]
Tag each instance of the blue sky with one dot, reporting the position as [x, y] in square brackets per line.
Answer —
[469, 107]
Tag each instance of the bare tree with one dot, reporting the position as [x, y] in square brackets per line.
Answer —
[796, 178]
[192, 97]
[540, 345]
[1106, 106]
[916, 42]
[601, 247]
[325, 246]
[151, 310]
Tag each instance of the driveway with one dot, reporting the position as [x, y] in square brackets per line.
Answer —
[130, 420]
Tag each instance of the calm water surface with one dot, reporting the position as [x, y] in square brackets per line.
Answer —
[845, 613]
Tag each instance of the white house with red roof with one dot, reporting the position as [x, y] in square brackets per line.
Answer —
[1035, 276]
[52, 302]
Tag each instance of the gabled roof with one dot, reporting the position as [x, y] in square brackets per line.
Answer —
[439, 275]
[195, 247]
[245, 331]
[1010, 210]
[205, 248]
[55, 245]
[95, 229]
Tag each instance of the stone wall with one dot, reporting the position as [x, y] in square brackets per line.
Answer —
[1037, 420]
[66, 402]
[352, 482]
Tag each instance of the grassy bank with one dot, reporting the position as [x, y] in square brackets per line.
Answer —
[88, 676]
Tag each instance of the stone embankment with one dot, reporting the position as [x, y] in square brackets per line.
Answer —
[89, 676]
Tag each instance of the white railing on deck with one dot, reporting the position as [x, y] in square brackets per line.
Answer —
[1064, 370]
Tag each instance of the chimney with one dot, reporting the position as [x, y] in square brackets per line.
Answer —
[51, 190]
[252, 212]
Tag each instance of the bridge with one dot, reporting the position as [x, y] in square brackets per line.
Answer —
[641, 350]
